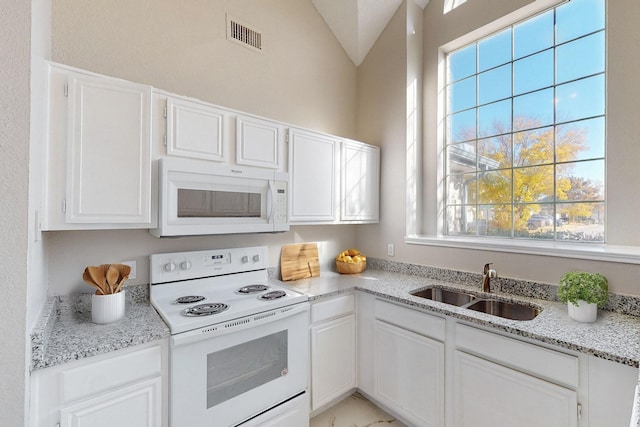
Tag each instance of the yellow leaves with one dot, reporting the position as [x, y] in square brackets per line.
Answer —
[532, 179]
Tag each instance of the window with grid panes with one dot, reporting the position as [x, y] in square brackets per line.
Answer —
[525, 129]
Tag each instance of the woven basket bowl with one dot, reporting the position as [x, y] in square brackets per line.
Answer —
[351, 267]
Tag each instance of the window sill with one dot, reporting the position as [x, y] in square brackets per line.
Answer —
[597, 252]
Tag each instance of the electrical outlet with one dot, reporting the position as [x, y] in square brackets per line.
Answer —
[391, 250]
[131, 264]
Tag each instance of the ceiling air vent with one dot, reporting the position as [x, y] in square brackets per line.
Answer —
[242, 34]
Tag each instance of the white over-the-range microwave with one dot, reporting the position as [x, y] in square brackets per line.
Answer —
[199, 197]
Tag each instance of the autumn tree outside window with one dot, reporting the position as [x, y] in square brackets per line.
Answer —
[525, 129]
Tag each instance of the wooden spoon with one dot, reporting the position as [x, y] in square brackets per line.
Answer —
[89, 281]
[97, 278]
[112, 278]
[103, 278]
[124, 271]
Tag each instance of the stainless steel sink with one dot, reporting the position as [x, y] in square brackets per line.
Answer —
[445, 295]
[504, 309]
[507, 310]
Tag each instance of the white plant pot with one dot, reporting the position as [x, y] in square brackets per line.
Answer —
[585, 312]
[107, 308]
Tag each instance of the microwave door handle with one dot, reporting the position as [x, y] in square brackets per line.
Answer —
[270, 204]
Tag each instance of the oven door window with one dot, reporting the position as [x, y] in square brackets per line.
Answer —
[218, 204]
[238, 369]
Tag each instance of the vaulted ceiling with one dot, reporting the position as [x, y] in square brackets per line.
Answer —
[357, 24]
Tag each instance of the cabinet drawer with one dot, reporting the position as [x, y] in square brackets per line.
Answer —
[412, 320]
[333, 307]
[543, 362]
[109, 373]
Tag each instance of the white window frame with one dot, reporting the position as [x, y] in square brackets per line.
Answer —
[589, 251]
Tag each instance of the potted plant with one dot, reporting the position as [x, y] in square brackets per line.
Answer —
[584, 293]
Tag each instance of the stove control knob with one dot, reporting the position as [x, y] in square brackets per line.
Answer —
[185, 265]
[256, 258]
[245, 259]
[169, 267]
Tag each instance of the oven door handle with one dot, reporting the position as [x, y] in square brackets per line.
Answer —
[240, 324]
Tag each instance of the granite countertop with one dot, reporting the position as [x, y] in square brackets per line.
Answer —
[614, 336]
[65, 332]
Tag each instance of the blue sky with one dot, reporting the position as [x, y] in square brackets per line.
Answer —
[578, 73]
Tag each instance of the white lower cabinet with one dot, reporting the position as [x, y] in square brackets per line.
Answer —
[333, 350]
[502, 382]
[611, 392]
[134, 405]
[124, 388]
[491, 395]
[409, 374]
[432, 370]
[408, 363]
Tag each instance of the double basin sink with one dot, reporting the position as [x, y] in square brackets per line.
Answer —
[495, 307]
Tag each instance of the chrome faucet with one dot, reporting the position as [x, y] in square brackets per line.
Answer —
[487, 274]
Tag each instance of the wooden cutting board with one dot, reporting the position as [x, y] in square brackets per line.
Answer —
[299, 261]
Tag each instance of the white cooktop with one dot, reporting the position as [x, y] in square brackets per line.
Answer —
[216, 275]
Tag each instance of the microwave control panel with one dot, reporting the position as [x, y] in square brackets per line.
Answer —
[280, 199]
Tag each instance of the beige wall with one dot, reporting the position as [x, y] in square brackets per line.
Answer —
[71, 251]
[303, 77]
[15, 49]
[384, 69]
[181, 48]
[381, 121]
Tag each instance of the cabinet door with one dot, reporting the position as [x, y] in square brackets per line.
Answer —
[409, 374]
[488, 394]
[133, 406]
[611, 391]
[333, 360]
[108, 178]
[195, 130]
[312, 168]
[360, 182]
[259, 142]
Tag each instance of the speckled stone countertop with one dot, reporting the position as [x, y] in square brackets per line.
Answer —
[614, 336]
[65, 332]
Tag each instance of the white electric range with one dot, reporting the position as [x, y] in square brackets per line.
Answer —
[239, 346]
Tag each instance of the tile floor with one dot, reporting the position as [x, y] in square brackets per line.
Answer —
[354, 411]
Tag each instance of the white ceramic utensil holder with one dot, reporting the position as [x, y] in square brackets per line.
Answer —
[107, 308]
[584, 312]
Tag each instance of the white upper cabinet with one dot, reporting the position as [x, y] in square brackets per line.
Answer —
[313, 160]
[98, 166]
[195, 129]
[333, 180]
[259, 143]
[359, 182]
